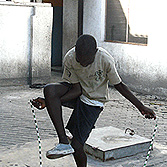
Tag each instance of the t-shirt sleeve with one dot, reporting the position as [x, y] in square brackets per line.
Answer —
[112, 72]
[69, 72]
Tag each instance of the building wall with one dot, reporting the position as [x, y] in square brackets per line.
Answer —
[70, 24]
[142, 68]
[25, 45]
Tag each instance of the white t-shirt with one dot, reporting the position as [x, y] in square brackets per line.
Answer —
[95, 77]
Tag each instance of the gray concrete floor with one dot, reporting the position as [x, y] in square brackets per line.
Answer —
[18, 135]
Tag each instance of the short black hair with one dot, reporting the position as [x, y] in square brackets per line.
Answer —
[86, 45]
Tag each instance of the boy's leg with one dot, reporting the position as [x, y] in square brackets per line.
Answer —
[53, 93]
[55, 96]
[79, 154]
[80, 125]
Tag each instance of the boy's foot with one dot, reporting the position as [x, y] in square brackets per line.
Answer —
[59, 150]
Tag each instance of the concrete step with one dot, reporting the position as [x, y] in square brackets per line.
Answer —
[110, 143]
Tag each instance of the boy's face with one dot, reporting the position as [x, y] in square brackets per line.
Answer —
[85, 60]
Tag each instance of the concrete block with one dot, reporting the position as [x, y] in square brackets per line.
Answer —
[109, 143]
[25, 45]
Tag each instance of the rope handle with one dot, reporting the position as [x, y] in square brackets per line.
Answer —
[132, 132]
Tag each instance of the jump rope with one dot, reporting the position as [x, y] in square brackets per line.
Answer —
[39, 140]
[151, 144]
[38, 136]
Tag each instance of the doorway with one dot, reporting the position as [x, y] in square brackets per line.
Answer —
[56, 46]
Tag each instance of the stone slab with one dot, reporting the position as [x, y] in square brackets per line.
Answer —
[112, 143]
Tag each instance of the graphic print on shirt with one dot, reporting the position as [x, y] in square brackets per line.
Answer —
[68, 72]
[98, 75]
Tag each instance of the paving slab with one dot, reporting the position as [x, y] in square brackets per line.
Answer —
[26, 155]
[18, 140]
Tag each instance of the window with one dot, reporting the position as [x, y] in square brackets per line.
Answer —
[127, 21]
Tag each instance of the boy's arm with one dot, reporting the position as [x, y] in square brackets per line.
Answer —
[124, 90]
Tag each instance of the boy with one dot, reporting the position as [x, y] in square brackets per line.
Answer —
[87, 71]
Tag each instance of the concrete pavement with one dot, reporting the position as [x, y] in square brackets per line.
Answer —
[18, 141]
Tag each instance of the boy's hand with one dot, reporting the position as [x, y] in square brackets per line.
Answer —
[147, 112]
[39, 103]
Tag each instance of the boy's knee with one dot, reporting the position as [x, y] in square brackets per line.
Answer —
[55, 90]
[49, 91]
[46, 89]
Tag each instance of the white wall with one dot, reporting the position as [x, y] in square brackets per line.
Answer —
[70, 24]
[143, 68]
[25, 34]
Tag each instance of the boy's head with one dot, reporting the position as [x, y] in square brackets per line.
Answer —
[85, 48]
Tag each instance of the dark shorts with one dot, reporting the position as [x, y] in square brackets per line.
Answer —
[82, 120]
